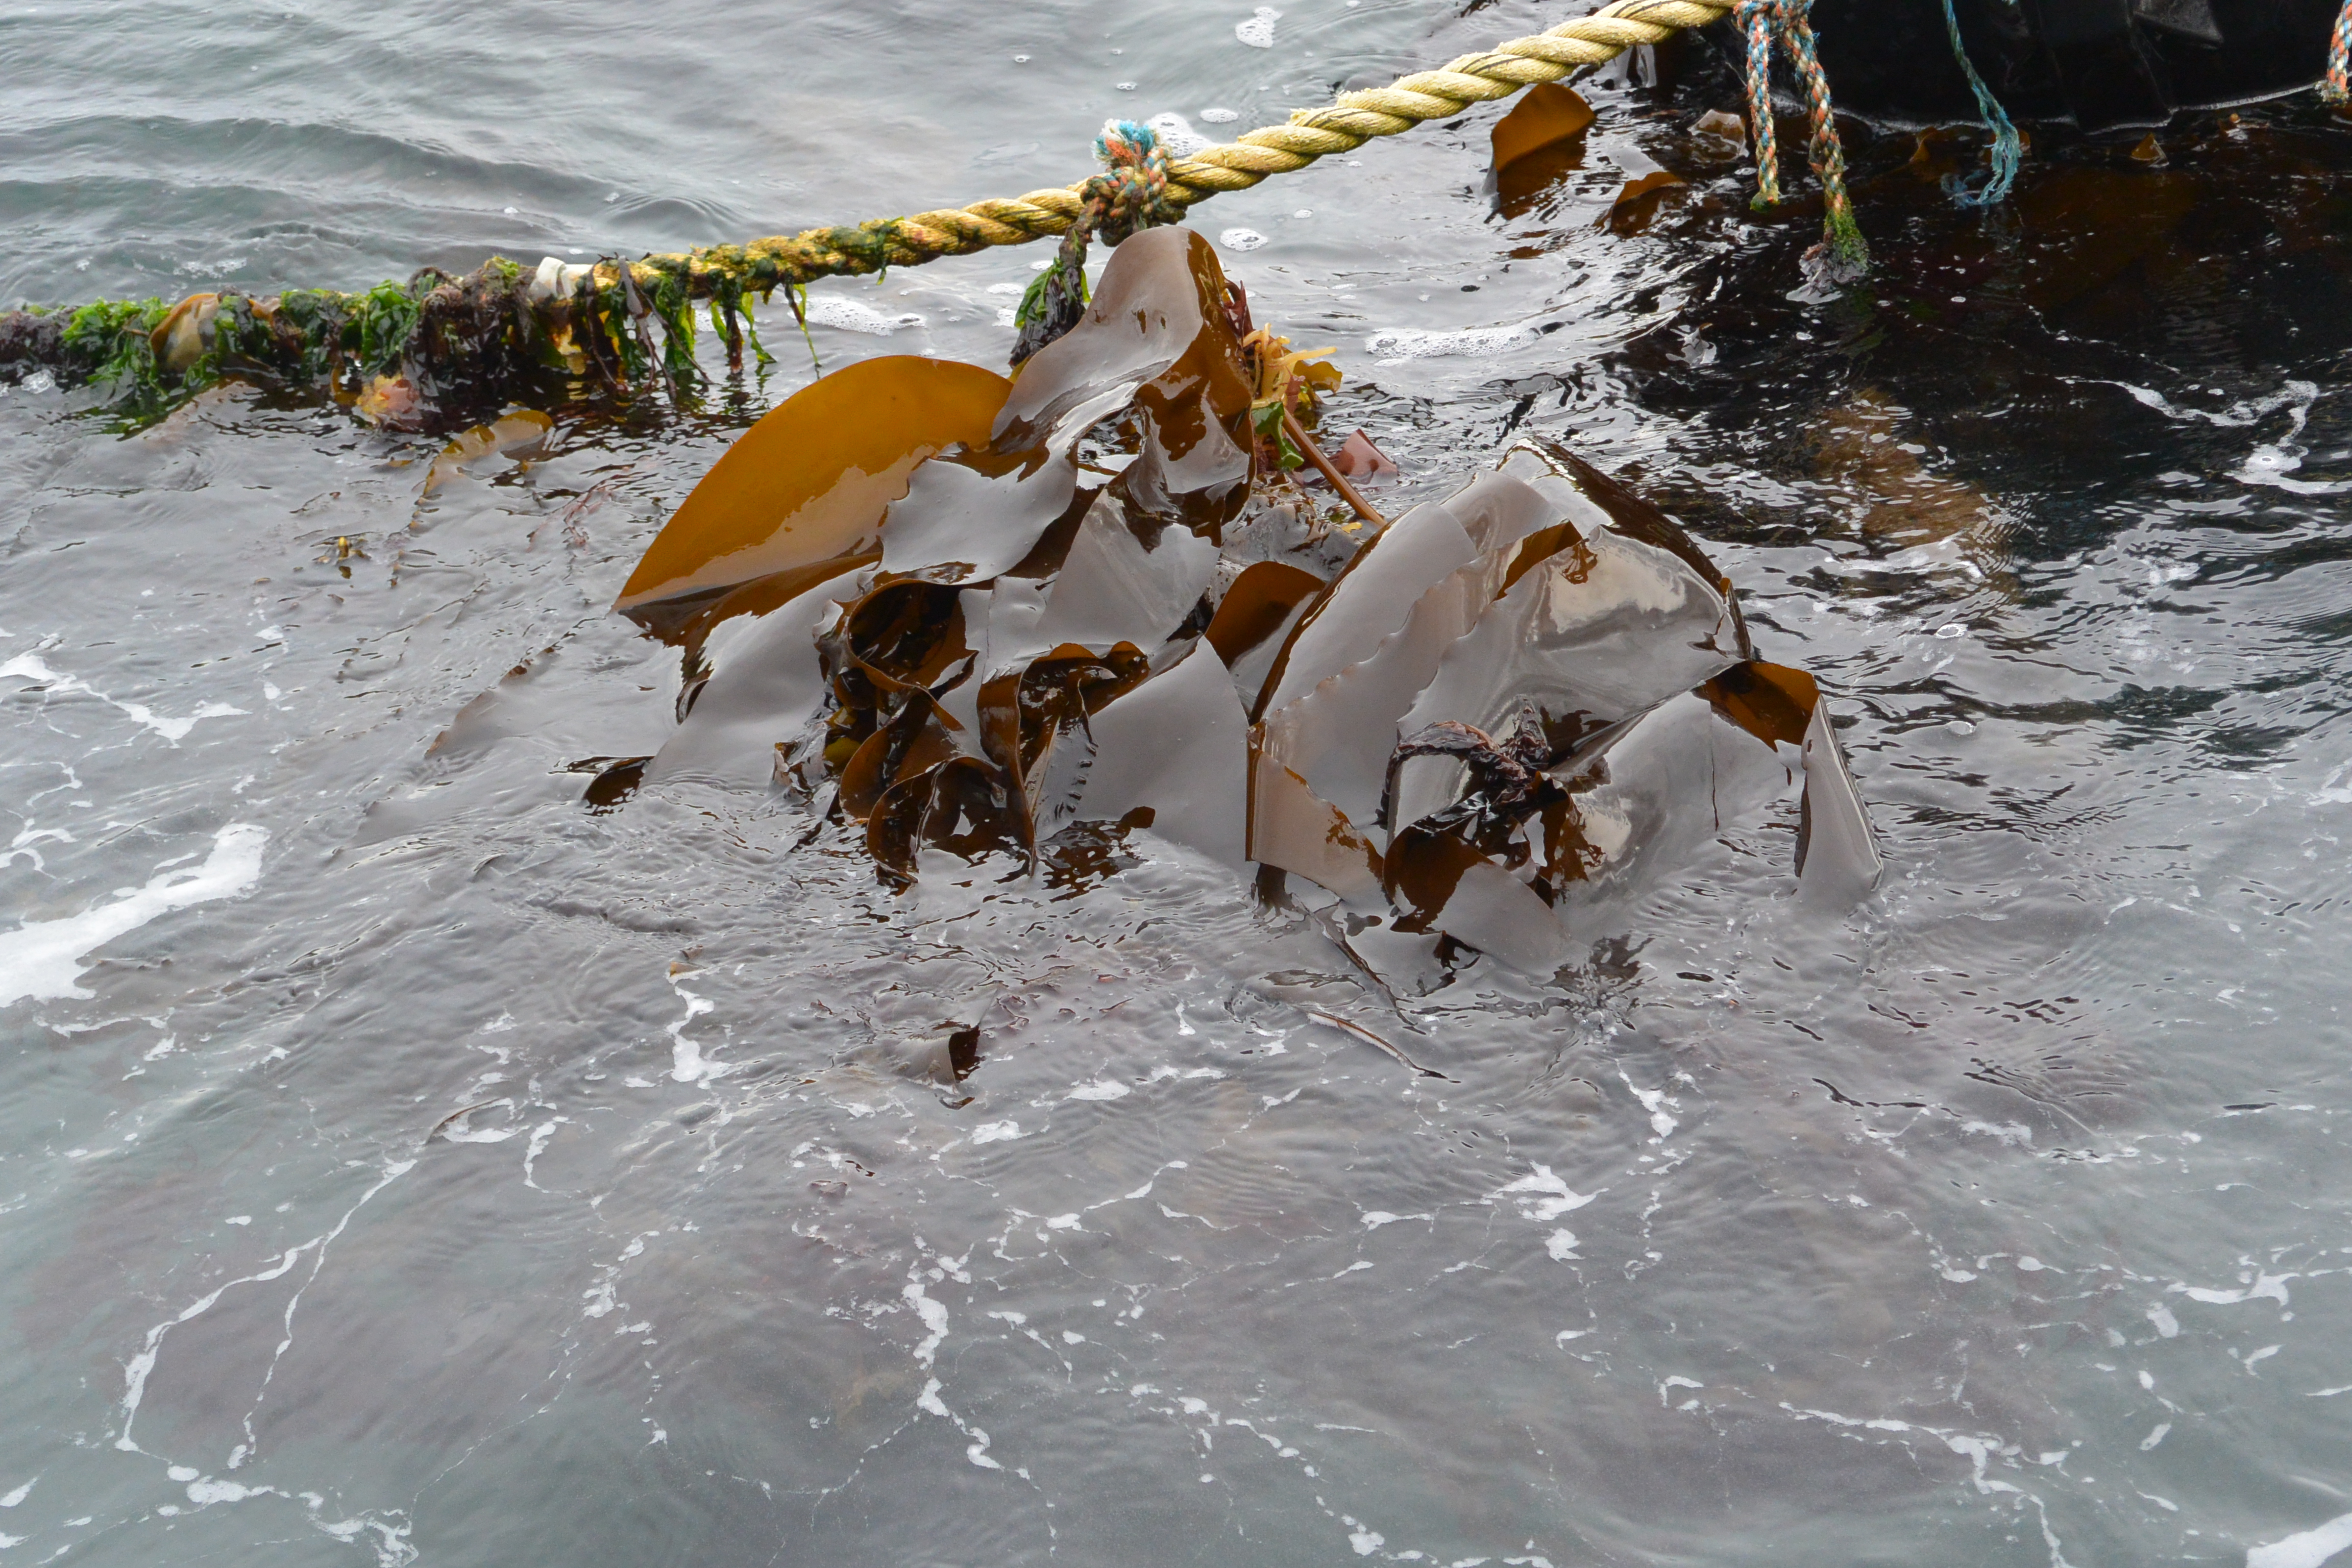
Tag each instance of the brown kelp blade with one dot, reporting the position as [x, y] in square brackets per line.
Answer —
[1837, 851]
[1770, 702]
[1636, 517]
[803, 491]
[1545, 116]
[1501, 722]
[1541, 139]
[1259, 604]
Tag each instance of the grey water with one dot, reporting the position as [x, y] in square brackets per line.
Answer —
[402, 1163]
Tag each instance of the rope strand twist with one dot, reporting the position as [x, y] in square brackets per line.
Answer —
[2337, 88]
[2008, 152]
[1842, 248]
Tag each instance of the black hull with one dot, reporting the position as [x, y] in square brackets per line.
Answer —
[2107, 65]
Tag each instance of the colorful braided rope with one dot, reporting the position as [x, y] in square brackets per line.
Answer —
[1790, 21]
[2008, 152]
[1755, 21]
[2337, 88]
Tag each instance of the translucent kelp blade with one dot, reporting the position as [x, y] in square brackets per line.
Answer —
[1636, 516]
[1837, 852]
[1113, 589]
[768, 691]
[1369, 600]
[1408, 593]
[1294, 829]
[965, 518]
[1645, 797]
[1501, 916]
[1500, 510]
[1338, 734]
[1583, 639]
[1178, 745]
[1158, 309]
[806, 487]
[1155, 340]
[1445, 882]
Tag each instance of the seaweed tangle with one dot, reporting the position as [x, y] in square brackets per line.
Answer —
[1005, 622]
[399, 353]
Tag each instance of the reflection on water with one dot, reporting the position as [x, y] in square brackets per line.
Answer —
[439, 1168]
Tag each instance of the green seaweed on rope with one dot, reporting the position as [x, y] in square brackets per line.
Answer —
[115, 339]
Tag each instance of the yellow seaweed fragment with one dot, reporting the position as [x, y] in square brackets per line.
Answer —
[509, 432]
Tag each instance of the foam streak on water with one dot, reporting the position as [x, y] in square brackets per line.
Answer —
[44, 959]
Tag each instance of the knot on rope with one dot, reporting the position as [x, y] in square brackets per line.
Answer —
[1790, 22]
[1133, 193]
[2006, 150]
[1130, 194]
[2337, 88]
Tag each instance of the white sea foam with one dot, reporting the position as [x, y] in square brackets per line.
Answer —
[1402, 344]
[1542, 1196]
[1241, 239]
[29, 666]
[834, 311]
[2307, 1550]
[44, 959]
[687, 1065]
[1258, 31]
[1176, 134]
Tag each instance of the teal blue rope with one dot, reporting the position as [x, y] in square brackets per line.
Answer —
[2007, 151]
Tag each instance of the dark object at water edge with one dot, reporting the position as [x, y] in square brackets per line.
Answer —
[2107, 65]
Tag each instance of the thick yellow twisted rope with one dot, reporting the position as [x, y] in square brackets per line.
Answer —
[1342, 127]
[454, 326]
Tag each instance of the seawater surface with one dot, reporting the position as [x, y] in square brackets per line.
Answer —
[402, 1161]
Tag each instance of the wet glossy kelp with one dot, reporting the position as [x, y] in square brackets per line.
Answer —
[993, 617]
